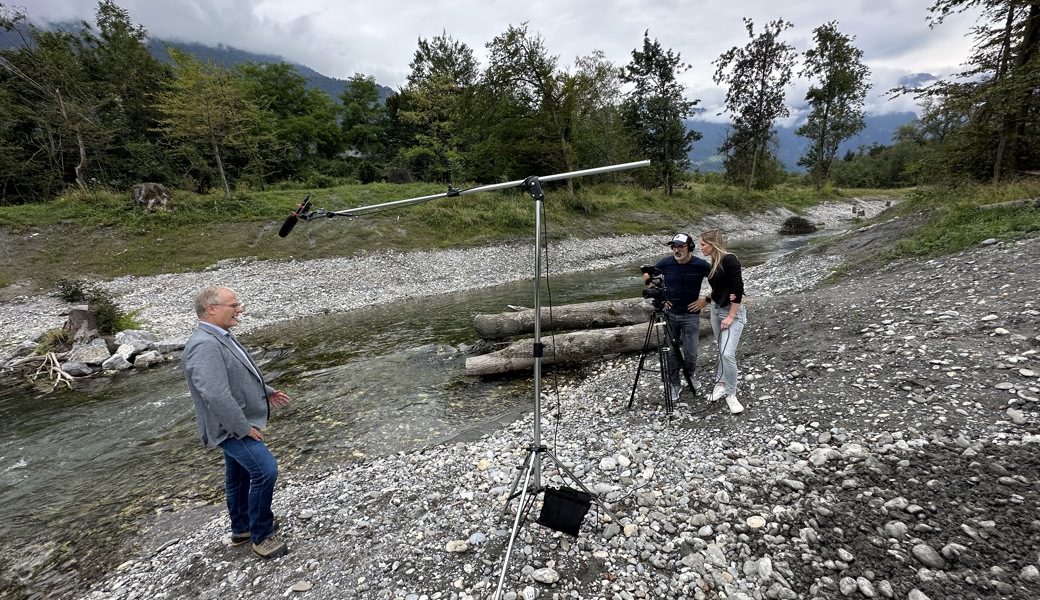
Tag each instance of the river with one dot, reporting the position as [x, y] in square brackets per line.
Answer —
[92, 461]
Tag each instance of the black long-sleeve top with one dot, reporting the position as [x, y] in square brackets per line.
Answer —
[727, 281]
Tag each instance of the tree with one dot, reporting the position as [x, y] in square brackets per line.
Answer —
[535, 100]
[205, 111]
[656, 110]
[836, 100]
[79, 104]
[755, 76]
[600, 136]
[305, 120]
[996, 94]
[365, 123]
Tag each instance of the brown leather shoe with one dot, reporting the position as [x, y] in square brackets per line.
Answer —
[272, 547]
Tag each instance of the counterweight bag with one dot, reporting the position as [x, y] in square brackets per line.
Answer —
[564, 509]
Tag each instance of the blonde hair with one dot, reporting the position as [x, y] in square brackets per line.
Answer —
[714, 237]
[207, 297]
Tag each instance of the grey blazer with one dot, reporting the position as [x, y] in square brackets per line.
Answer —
[229, 394]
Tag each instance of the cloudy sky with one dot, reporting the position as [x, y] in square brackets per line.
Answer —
[378, 37]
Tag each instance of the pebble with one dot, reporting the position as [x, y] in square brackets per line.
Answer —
[829, 484]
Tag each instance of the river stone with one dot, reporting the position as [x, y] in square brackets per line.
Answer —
[172, 344]
[756, 522]
[94, 353]
[147, 359]
[928, 556]
[301, 586]
[545, 575]
[77, 369]
[116, 362]
[457, 546]
[139, 339]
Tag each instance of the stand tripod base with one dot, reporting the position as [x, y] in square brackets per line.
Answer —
[530, 470]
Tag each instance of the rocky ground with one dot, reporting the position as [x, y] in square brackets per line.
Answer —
[889, 450]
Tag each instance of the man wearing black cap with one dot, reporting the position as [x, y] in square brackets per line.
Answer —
[683, 276]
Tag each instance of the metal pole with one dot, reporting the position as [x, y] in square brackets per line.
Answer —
[350, 212]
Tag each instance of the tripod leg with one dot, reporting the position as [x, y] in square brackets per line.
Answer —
[523, 505]
[670, 358]
[525, 467]
[642, 359]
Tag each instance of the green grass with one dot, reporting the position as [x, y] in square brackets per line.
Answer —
[100, 235]
[960, 220]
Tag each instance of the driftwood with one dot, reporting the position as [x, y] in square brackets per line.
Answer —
[565, 347]
[590, 315]
[606, 327]
[1013, 203]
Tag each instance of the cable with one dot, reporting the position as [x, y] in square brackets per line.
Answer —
[552, 332]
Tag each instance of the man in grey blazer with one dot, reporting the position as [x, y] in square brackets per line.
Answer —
[232, 405]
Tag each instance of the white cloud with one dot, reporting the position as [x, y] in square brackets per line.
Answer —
[378, 38]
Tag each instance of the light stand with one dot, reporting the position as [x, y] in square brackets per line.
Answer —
[530, 471]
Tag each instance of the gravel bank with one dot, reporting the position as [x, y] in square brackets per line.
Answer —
[889, 449]
[277, 290]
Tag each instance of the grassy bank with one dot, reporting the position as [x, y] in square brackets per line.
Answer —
[100, 235]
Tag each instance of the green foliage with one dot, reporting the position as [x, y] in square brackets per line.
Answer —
[71, 290]
[656, 110]
[110, 318]
[55, 340]
[77, 106]
[835, 100]
[992, 104]
[756, 77]
[961, 217]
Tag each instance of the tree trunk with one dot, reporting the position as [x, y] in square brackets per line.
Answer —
[79, 141]
[567, 347]
[220, 169]
[590, 315]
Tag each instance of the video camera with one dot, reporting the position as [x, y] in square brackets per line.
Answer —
[655, 289]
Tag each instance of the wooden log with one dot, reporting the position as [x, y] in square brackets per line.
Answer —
[589, 315]
[1012, 204]
[568, 347]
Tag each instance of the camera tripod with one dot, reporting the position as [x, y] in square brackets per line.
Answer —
[669, 346]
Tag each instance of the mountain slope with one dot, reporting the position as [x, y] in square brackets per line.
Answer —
[704, 155]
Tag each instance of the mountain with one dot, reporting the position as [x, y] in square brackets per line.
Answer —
[229, 56]
[705, 157]
[225, 56]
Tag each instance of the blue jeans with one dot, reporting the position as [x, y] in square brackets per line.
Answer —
[728, 339]
[686, 331]
[251, 471]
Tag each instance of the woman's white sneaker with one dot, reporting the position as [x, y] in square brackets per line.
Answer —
[718, 393]
[734, 404]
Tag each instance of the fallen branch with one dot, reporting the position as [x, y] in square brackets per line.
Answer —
[52, 367]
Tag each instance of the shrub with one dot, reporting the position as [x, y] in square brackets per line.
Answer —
[110, 319]
[71, 290]
[55, 340]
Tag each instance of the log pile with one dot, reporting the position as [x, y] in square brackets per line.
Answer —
[574, 333]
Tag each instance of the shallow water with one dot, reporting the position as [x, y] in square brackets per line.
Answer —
[370, 381]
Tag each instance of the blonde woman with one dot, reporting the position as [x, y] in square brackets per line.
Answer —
[727, 314]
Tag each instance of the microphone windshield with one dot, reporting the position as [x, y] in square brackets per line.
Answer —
[294, 216]
[288, 225]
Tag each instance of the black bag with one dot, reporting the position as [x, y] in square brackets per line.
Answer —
[564, 509]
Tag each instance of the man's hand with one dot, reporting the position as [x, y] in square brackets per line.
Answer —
[279, 399]
[255, 434]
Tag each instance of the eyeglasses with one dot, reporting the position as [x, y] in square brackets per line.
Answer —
[232, 305]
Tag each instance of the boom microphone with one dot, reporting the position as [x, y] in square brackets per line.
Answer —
[294, 216]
